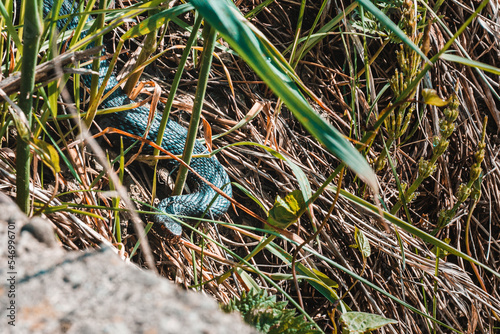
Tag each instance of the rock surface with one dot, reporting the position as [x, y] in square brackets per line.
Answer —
[53, 291]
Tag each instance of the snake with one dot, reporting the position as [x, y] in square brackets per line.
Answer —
[203, 199]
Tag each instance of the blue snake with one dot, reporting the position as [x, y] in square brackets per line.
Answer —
[204, 199]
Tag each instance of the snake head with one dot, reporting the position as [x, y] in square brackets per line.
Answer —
[167, 228]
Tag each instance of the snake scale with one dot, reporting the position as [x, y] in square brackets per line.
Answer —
[134, 121]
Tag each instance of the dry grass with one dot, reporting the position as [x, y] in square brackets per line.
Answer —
[461, 301]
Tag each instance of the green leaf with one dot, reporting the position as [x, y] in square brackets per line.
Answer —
[362, 243]
[360, 322]
[327, 280]
[471, 63]
[154, 22]
[259, 54]
[431, 97]
[47, 153]
[285, 211]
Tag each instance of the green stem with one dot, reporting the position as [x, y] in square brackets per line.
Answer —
[31, 40]
[414, 186]
[177, 80]
[206, 63]
[96, 64]
[379, 164]
[294, 61]
[173, 90]
[149, 47]
[116, 200]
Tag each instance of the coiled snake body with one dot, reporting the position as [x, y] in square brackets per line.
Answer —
[203, 199]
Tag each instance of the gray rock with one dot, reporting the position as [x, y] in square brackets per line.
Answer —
[54, 291]
[41, 230]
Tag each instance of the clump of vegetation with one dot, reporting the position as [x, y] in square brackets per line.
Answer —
[409, 62]
[263, 312]
[473, 187]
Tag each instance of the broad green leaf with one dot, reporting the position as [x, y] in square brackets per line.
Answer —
[286, 210]
[471, 63]
[431, 97]
[360, 322]
[369, 6]
[241, 35]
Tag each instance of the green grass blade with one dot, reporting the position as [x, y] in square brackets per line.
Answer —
[302, 180]
[250, 195]
[350, 273]
[201, 88]
[377, 288]
[132, 13]
[412, 229]
[324, 31]
[313, 279]
[470, 63]
[240, 35]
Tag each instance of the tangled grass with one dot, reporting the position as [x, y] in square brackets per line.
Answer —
[435, 154]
